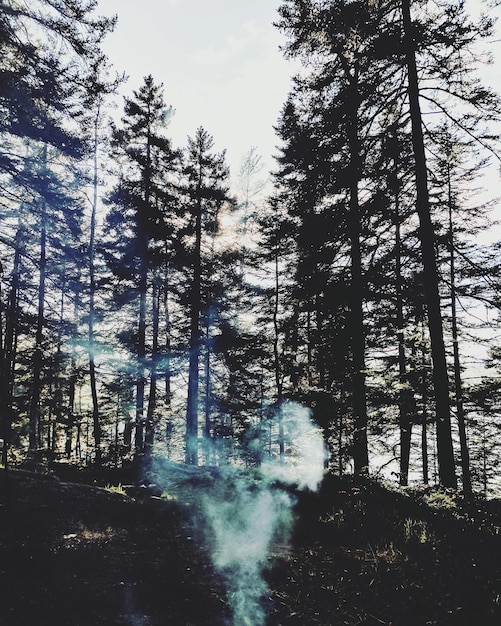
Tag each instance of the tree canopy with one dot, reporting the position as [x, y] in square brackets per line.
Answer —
[151, 307]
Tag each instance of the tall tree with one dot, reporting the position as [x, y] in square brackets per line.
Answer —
[451, 66]
[45, 50]
[430, 274]
[206, 191]
[100, 87]
[371, 54]
[345, 83]
[145, 189]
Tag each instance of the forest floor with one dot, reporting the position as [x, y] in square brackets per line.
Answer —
[77, 554]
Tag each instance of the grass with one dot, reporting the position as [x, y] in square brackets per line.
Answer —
[119, 489]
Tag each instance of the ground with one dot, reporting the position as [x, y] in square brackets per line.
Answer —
[77, 554]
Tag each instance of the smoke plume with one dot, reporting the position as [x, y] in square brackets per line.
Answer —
[245, 510]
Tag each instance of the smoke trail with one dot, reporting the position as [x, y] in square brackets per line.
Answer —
[305, 450]
[242, 523]
[250, 510]
[245, 511]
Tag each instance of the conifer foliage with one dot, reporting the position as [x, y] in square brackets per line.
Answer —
[148, 310]
[373, 67]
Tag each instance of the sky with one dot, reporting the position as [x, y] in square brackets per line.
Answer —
[219, 62]
[221, 67]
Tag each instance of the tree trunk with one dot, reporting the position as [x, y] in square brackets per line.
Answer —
[92, 311]
[458, 386]
[143, 241]
[357, 334]
[4, 420]
[71, 408]
[407, 407]
[276, 358]
[141, 356]
[72, 387]
[56, 413]
[406, 396]
[340, 445]
[447, 473]
[195, 338]
[167, 355]
[9, 348]
[424, 400]
[152, 397]
[36, 385]
[208, 394]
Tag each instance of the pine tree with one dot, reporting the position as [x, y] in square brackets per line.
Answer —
[141, 202]
[206, 193]
[41, 90]
[346, 85]
[100, 87]
[45, 51]
[368, 54]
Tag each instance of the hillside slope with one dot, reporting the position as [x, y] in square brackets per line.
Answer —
[80, 555]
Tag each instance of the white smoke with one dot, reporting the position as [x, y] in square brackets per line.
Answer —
[245, 511]
[242, 525]
[305, 451]
[251, 510]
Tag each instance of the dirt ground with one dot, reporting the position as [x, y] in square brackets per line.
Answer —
[74, 554]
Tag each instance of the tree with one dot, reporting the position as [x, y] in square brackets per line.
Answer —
[46, 50]
[484, 400]
[430, 274]
[141, 202]
[100, 87]
[342, 37]
[368, 54]
[469, 104]
[206, 192]
[43, 84]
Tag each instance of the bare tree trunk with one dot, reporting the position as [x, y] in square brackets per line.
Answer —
[357, 334]
[96, 422]
[447, 474]
[458, 386]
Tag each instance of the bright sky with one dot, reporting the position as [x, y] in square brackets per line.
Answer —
[219, 62]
